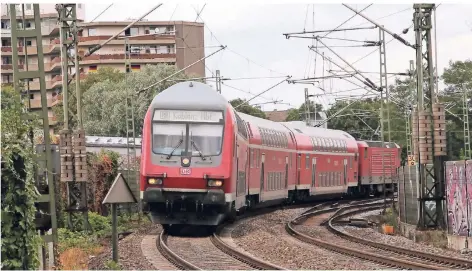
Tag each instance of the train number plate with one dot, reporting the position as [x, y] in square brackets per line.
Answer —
[185, 171]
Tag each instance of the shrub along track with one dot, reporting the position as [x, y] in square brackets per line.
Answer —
[368, 250]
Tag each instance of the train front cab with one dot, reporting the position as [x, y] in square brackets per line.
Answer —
[186, 175]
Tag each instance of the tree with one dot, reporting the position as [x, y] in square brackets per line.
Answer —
[19, 237]
[103, 74]
[247, 109]
[458, 79]
[105, 101]
[297, 114]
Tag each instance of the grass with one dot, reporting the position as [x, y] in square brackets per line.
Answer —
[75, 247]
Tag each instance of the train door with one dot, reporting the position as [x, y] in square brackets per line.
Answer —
[345, 171]
[313, 173]
[262, 176]
[299, 165]
[286, 172]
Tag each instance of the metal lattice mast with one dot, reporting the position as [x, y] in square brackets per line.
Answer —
[409, 150]
[46, 157]
[465, 112]
[72, 147]
[218, 81]
[307, 107]
[130, 124]
[431, 123]
[383, 103]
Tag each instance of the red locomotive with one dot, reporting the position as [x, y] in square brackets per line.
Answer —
[202, 161]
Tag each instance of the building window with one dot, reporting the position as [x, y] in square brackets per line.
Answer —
[28, 6]
[6, 60]
[28, 24]
[92, 32]
[133, 31]
[80, 5]
[29, 43]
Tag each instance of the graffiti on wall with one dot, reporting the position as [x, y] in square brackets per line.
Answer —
[468, 175]
[458, 201]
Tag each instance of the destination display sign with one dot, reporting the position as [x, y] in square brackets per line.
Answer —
[187, 116]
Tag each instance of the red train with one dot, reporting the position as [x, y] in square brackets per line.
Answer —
[202, 161]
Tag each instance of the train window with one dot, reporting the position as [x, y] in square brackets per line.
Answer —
[307, 161]
[355, 156]
[365, 153]
[350, 162]
[290, 160]
[299, 161]
[251, 158]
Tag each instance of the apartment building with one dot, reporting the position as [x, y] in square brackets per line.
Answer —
[51, 49]
[172, 42]
[150, 42]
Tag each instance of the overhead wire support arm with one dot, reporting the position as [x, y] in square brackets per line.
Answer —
[289, 35]
[179, 71]
[402, 40]
[98, 47]
[259, 94]
[366, 80]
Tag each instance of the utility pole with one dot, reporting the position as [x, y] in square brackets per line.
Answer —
[431, 126]
[72, 146]
[45, 158]
[218, 81]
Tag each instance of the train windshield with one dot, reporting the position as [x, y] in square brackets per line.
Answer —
[168, 136]
[205, 139]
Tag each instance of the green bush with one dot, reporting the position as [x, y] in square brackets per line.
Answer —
[100, 225]
[76, 239]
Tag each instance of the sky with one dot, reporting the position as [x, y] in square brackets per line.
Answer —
[256, 47]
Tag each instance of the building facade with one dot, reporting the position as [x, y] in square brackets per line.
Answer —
[172, 42]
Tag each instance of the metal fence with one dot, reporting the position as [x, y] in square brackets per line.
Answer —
[408, 195]
[459, 197]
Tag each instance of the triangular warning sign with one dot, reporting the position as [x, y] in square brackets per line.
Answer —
[119, 192]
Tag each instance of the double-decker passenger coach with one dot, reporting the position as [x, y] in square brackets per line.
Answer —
[186, 165]
[203, 162]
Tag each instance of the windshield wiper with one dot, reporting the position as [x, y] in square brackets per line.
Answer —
[199, 152]
[178, 145]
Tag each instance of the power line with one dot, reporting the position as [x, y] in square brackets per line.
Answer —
[383, 17]
[346, 21]
[259, 94]
[271, 70]
[101, 13]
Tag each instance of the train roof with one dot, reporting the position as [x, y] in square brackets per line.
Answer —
[378, 144]
[263, 123]
[301, 128]
[190, 95]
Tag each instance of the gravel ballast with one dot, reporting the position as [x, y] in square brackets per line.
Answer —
[265, 237]
[129, 252]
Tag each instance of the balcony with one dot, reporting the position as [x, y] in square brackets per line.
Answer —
[32, 50]
[158, 39]
[135, 58]
[36, 103]
[53, 65]
[6, 32]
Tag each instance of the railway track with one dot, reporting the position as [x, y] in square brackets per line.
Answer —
[368, 250]
[441, 262]
[212, 252]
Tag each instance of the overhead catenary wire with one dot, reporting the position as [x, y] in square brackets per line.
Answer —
[100, 14]
[179, 71]
[259, 94]
[97, 47]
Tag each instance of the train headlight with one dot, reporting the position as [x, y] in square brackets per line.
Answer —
[215, 183]
[157, 181]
